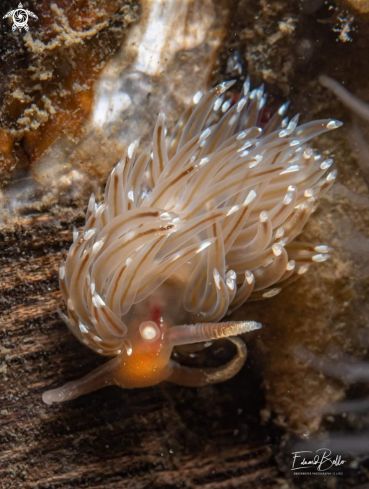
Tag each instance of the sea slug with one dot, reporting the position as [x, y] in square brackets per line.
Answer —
[186, 234]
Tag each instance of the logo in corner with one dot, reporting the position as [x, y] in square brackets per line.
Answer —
[20, 18]
[307, 462]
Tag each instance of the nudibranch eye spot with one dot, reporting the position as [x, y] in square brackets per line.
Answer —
[149, 331]
[189, 230]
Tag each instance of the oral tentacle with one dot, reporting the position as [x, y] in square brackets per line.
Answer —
[198, 377]
[102, 376]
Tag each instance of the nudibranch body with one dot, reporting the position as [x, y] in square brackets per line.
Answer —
[187, 234]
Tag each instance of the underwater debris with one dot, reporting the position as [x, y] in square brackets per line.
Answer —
[358, 108]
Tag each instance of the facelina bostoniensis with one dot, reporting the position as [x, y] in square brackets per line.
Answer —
[186, 234]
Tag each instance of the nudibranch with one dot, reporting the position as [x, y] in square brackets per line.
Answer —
[186, 234]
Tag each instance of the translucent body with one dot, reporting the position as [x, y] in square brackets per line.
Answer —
[187, 234]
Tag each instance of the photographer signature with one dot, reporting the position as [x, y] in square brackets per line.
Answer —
[322, 460]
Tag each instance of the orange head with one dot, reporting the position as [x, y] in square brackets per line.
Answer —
[147, 363]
